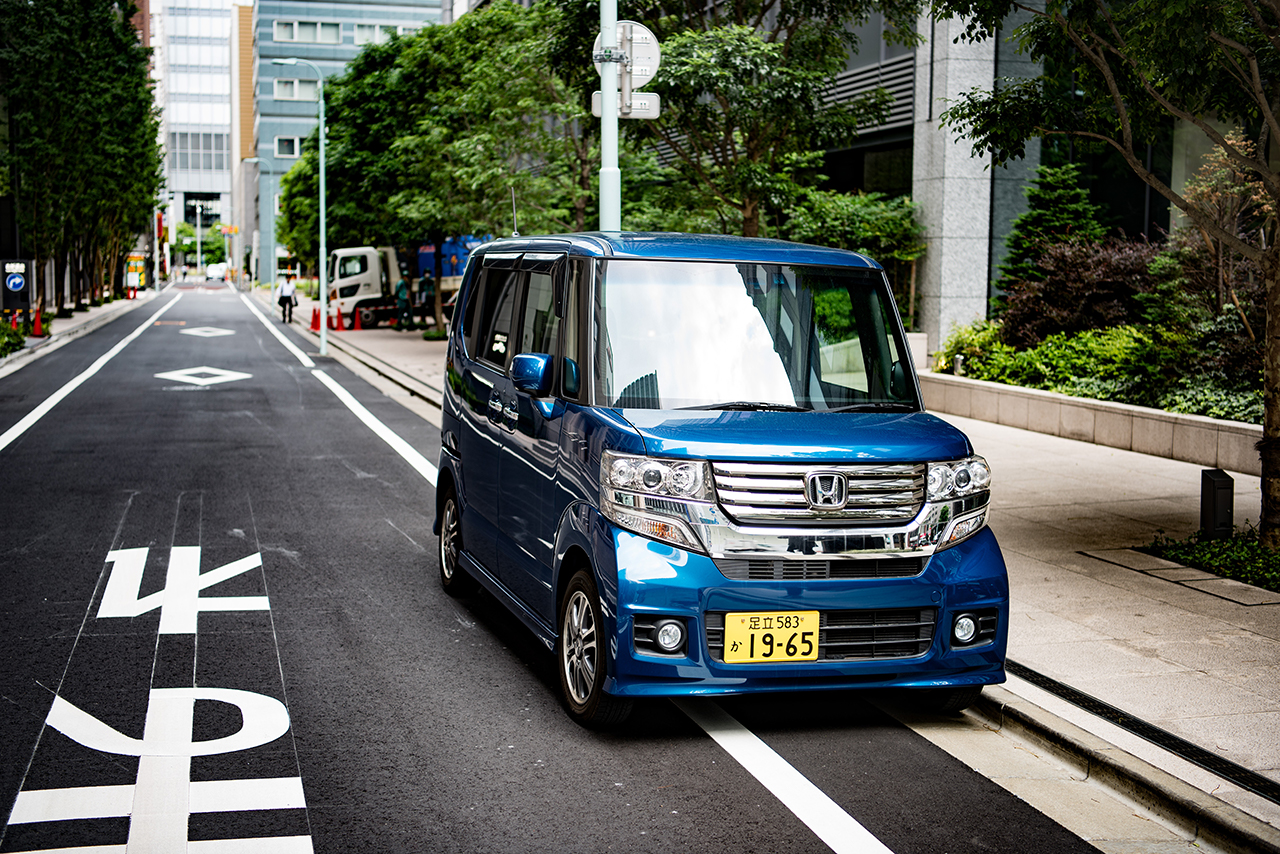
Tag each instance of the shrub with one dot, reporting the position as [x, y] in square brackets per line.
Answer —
[1082, 286]
[11, 340]
[1239, 556]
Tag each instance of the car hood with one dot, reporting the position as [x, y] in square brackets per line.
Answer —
[772, 436]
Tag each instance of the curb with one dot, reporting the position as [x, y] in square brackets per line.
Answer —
[1196, 813]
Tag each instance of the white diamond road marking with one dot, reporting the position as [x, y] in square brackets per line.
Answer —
[203, 375]
[207, 332]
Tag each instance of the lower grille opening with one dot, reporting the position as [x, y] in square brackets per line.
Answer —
[870, 635]
[751, 569]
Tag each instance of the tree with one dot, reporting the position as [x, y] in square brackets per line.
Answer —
[882, 228]
[1058, 209]
[1132, 66]
[743, 88]
[83, 135]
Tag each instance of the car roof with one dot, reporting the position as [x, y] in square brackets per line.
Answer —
[682, 246]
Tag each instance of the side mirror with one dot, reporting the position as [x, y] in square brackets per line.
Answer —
[898, 380]
[531, 373]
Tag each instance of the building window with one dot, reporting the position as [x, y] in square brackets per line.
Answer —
[295, 90]
[201, 152]
[376, 33]
[309, 32]
[288, 146]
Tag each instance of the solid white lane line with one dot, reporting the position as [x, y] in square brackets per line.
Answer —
[839, 830]
[54, 399]
[280, 336]
[420, 463]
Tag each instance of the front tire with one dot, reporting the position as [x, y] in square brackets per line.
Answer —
[581, 653]
[453, 578]
[947, 701]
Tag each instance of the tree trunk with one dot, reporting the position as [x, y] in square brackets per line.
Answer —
[750, 218]
[1269, 447]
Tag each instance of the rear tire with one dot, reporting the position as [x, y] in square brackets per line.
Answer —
[581, 655]
[453, 578]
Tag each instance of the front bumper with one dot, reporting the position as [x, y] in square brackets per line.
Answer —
[654, 579]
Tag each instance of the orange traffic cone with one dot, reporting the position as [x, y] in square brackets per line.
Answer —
[15, 320]
[315, 319]
[37, 332]
[338, 323]
[355, 320]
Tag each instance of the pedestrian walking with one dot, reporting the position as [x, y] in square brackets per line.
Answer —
[288, 299]
[404, 313]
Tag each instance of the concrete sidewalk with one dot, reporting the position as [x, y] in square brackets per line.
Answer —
[1195, 655]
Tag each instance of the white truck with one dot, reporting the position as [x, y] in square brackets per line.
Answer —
[363, 279]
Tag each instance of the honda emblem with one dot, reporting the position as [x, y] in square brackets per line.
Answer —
[826, 490]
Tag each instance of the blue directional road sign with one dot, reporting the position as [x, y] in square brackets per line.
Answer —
[15, 282]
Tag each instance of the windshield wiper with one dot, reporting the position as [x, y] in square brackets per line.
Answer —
[751, 406]
[881, 406]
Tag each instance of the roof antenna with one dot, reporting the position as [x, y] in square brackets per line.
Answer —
[515, 230]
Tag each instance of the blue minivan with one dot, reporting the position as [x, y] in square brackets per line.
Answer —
[697, 464]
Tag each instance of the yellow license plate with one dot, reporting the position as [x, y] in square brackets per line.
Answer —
[762, 637]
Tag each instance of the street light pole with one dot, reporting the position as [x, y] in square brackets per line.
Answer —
[324, 248]
[199, 252]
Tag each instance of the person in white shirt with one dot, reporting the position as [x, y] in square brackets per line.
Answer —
[288, 299]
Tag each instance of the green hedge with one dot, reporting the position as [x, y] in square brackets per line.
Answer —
[1142, 365]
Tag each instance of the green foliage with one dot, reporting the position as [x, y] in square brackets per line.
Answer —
[11, 340]
[1058, 209]
[84, 152]
[1240, 556]
[1202, 371]
[833, 314]
[870, 223]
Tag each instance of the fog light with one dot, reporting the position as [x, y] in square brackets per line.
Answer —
[964, 629]
[670, 635]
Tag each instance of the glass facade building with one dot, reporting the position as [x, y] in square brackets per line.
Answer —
[330, 34]
[194, 58]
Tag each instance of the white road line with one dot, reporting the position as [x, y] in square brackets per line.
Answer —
[420, 463]
[68, 804]
[273, 793]
[839, 830]
[54, 399]
[262, 845]
[271, 327]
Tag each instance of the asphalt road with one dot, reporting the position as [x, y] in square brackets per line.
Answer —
[219, 620]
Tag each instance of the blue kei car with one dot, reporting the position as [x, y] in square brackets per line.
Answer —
[697, 464]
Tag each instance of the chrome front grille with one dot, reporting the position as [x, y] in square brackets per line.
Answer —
[868, 635]
[764, 569]
[774, 493]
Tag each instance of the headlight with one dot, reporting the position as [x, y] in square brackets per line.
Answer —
[654, 497]
[959, 478]
[959, 492]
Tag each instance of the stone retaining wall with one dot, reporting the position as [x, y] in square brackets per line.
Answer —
[1208, 442]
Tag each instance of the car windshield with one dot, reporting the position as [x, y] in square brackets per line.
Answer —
[684, 335]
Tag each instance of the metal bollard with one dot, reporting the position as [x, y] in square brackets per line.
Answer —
[1217, 497]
